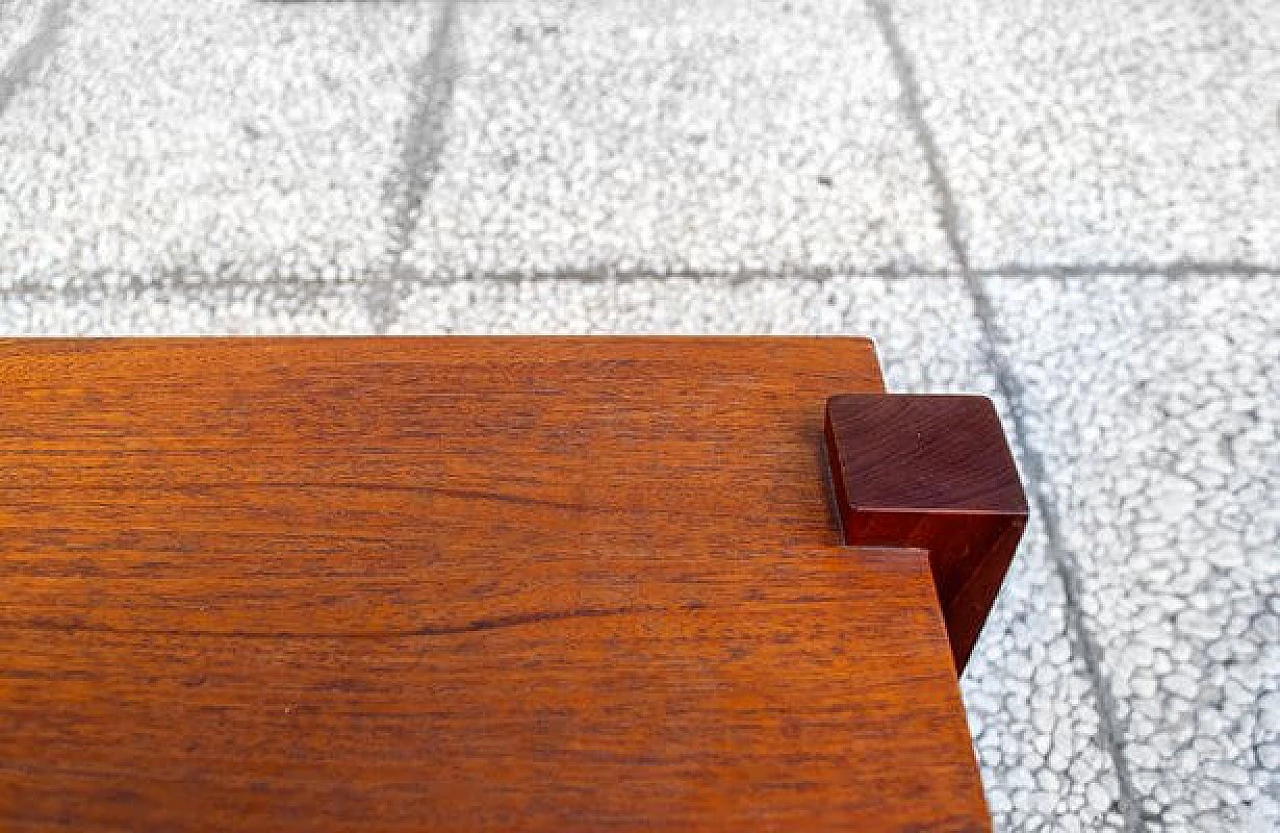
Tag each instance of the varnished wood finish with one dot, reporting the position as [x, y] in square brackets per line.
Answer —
[933, 472]
[455, 584]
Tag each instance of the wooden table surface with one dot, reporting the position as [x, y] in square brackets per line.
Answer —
[456, 584]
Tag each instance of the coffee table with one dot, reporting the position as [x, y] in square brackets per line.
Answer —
[465, 584]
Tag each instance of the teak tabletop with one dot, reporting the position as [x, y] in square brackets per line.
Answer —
[464, 584]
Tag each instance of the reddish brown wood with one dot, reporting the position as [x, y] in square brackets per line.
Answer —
[455, 584]
[933, 472]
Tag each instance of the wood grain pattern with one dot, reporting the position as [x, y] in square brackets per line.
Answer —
[933, 472]
[455, 584]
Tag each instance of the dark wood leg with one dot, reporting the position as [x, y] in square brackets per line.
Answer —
[933, 473]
